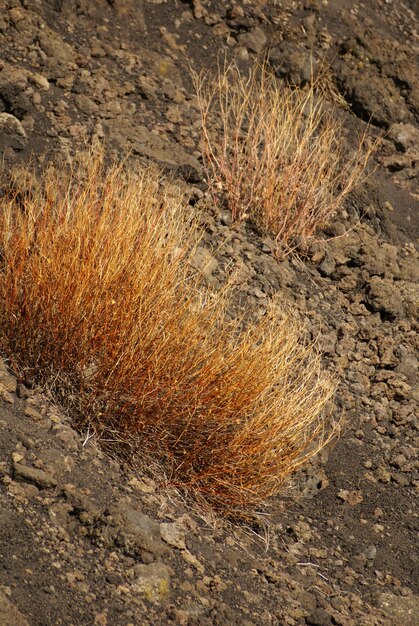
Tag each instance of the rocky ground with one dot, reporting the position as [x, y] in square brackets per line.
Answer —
[84, 538]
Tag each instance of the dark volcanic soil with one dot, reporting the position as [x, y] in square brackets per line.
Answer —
[83, 538]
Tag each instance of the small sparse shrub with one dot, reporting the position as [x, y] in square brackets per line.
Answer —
[275, 153]
[98, 303]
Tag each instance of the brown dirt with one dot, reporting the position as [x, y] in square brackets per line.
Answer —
[86, 539]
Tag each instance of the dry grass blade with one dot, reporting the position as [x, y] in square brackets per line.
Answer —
[275, 154]
[97, 302]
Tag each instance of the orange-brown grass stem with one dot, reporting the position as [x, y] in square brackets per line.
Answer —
[98, 302]
[275, 154]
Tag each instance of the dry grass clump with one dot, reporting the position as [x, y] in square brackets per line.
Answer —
[275, 154]
[97, 302]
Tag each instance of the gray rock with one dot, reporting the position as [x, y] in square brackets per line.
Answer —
[41, 81]
[86, 104]
[198, 9]
[35, 415]
[327, 266]
[370, 552]
[384, 297]
[336, 228]
[152, 581]
[400, 479]
[12, 132]
[56, 49]
[307, 600]
[409, 269]
[13, 83]
[68, 436]
[376, 97]
[401, 610]
[173, 535]
[405, 136]
[131, 530]
[8, 382]
[378, 260]
[81, 503]
[22, 391]
[319, 617]
[145, 143]
[32, 475]
[60, 514]
[409, 293]
[204, 262]
[327, 342]
[409, 367]
[254, 40]
[292, 63]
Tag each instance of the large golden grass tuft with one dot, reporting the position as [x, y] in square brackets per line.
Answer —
[275, 154]
[98, 302]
